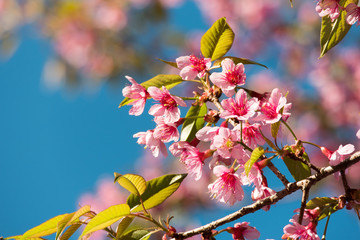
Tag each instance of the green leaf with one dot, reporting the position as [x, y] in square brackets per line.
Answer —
[191, 126]
[333, 32]
[106, 218]
[123, 225]
[70, 218]
[255, 155]
[173, 64]
[327, 206]
[44, 229]
[217, 41]
[275, 129]
[167, 80]
[136, 234]
[237, 60]
[297, 169]
[70, 231]
[133, 183]
[20, 236]
[157, 191]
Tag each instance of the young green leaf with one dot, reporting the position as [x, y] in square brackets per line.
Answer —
[44, 229]
[333, 32]
[70, 231]
[237, 60]
[106, 218]
[20, 236]
[275, 129]
[255, 155]
[173, 64]
[297, 169]
[191, 126]
[133, 183]
[123, 225]
[167, 80]
[136, 234]
[157, 191]
[71, 218]
[217, 41]
[326, 205]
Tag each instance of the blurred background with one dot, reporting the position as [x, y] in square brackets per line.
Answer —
[62, 71]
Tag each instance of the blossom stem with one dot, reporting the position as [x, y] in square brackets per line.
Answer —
[326, 225]
[150, 219]
[288, 127]
[345, 184]
[197, 81]
[189, 98]
[314, 144]
[194, 117]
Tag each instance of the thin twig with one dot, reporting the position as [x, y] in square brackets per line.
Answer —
[304, 198]
[346, 185]
[276, 171]
[292, 187]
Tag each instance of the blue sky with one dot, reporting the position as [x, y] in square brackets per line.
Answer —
[54, 146]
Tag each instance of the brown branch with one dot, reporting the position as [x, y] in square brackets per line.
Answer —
[276, 171]
[291, 188]
[304, 198]
[346, 185]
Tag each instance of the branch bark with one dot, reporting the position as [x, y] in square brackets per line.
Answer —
[291, 188]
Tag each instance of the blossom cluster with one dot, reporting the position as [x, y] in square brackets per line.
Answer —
[333, 9]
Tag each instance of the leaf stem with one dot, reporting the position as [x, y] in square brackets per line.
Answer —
[314, 144]
[288, 127]
[326, 226]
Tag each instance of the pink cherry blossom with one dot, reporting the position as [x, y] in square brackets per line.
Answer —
[261, 192]
[156, 145]
[190, 156]
[251, 134]
[255, 175]
[225, 144]
[165, 132]
[358, 134]
[231, 76]
[352, 13]
[275, 108]
[207, 134]
[191, 66]
[240, 108]
[297, 231]
[339, 155]
[138, 93]
[168, 107]
[310, 215]
[227, 187]
[242, 231]
[328, 7]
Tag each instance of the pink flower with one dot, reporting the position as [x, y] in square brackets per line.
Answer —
[156, 145]
[328, 7]
[168, 107]
[165, 132]
[231, 76]
[191, 66]
[242, 231]
[255, 176]
[358, 134]
[227, 188]
[297, 231]
[275, 108]
[261, 192]
[207, 134]
[352, 13]
[251, 134]
[190, 156]
[138, 93]
[241, 108]
[310, 215]
[339, 155]
[225, 143]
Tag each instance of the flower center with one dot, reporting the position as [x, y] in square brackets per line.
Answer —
[168, 102]
[269, 110]
[197, 63]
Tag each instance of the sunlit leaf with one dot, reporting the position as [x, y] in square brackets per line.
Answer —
[217, 41]
[327, 206]
[70, 218]
[255, 155]
[133, 183]
[123, 225]
[173, 64]
[136, 234]
[167, 80]
[297, 169]
[106, 218]
[20, 236]
[157, 191]
[44, 229]
[70, 231]
[275, 129]
[237, 60]
[333, 32]
[191, 126]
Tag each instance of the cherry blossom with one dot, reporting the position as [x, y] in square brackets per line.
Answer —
[240, 108]
[138, 93]
[156, 145]
[227, 187]
[275, 108]
[298, 231]
[191, 66]
[207, 134]
[352, 13]
[165, 132]
[251, 134]
[242, 231]
[261, 192]
[328, 7]
[225, 144]
[168, 107]
[190, 156]
[358, 134]
[231, 76]
[339, 155]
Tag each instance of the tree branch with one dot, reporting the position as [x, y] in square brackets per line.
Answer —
[291, 188]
